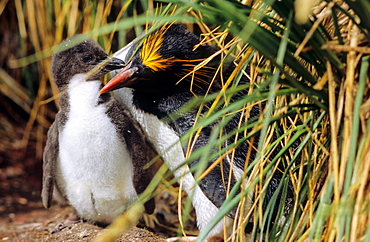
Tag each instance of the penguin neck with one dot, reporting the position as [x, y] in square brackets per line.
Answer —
[84, 94]
[161, 104]
[165, 101]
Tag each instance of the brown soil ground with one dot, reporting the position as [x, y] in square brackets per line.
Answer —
[37, 224]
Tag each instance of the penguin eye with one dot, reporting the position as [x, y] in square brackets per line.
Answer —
[87, 58]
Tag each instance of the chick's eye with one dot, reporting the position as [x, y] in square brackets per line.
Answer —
[87, 58]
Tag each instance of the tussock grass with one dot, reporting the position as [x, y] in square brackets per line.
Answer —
[313, 77]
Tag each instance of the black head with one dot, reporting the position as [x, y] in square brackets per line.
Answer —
[79, 55]
[163, 59]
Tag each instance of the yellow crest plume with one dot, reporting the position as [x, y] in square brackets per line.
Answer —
[150, 55]
[194, 70]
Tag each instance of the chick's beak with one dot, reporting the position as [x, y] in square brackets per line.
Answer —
[113, 64]
[124, 78]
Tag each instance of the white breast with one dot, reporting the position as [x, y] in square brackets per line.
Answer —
[94, 168]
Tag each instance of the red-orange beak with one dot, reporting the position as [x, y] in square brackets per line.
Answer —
[124, 78]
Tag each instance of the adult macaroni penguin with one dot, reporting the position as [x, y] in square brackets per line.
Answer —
[159, 84]
[95, 151]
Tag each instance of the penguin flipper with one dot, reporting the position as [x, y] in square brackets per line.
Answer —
[50, 156]
[142, 152]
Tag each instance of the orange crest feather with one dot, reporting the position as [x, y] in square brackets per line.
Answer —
[151, 58]
[150, 55]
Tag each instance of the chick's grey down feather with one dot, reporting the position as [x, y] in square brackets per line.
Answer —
[80, 59]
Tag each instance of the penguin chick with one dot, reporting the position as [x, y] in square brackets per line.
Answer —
[95, 151]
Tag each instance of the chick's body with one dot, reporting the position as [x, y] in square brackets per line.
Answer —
[95, 151]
